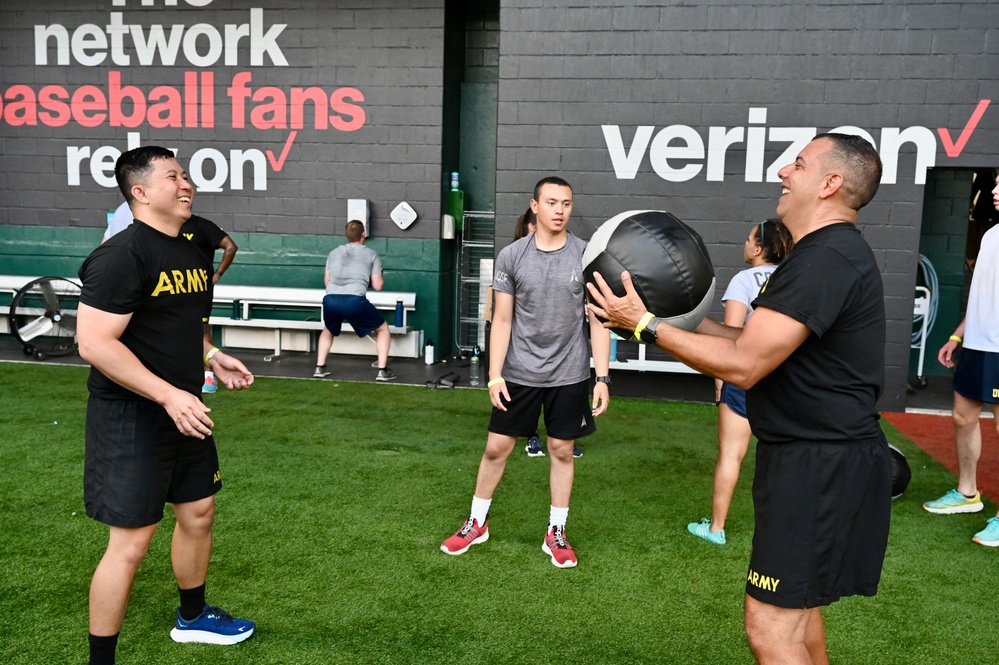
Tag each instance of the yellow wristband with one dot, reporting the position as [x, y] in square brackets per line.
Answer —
[955, 338]
[495, 381]
[208, 356]
[648, 316]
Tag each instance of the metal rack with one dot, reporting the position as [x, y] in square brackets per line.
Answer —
[475, 276]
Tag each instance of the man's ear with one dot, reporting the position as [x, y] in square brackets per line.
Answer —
[831, 184]
[139, 194]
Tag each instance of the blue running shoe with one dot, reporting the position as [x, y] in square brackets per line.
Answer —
[954, 502]
[213, 626]
[989, 536]
[703, 530]
[533, 446]
[576, 450]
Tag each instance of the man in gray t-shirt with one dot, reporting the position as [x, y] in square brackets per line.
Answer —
[539, 357]
[350, 269]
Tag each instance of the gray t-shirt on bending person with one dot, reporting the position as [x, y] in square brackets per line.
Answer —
[351, 267]
[548, 341]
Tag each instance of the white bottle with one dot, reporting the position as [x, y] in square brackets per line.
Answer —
[473, 374]
[428, 352]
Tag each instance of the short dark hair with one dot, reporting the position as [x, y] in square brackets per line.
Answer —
[550, 180]
[134, 165]
[855, 155]
[354, 230]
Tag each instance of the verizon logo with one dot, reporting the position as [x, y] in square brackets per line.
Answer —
[679, 153]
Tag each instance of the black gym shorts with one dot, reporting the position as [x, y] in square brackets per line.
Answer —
[137, 461]
[977, 376]
[822, 515]
[568, 414]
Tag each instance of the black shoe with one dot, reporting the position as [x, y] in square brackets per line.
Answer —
[386, 375]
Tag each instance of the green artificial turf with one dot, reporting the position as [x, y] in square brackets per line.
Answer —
[336, 499]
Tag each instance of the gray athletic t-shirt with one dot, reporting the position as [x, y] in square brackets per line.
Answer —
[351, 267]
[548, 342]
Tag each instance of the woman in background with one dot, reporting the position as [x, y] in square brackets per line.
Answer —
[767, 245]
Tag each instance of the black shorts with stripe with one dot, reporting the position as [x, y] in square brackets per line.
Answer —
[137, 461]
[977, 376]
[568, 414]
[822, 517]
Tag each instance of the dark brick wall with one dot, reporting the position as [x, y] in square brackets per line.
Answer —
[391, 51]
[567, 68]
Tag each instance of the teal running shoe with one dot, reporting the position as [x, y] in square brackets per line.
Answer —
[989, 536]
[703, 530]
[954, 502]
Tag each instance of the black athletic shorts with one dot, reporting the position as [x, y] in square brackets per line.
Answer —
[137, 461]
[822, 516]
[568, 414]
[977, 376]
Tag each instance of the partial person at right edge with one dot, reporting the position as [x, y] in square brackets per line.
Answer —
[976, 382]
[350, 269]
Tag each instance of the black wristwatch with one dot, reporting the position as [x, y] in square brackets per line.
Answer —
[648, 334]
[603, 379]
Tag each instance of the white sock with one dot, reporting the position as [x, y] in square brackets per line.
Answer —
[480, 509]
[558, 516]
[209, 374]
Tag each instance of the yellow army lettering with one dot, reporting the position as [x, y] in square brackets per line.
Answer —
[995, 392]
[217, 478]
[179, 281]
[762, 581]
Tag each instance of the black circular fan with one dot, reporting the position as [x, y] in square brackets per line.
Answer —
[43, 317]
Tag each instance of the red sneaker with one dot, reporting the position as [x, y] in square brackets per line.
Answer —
[558, 548]
[469, 534]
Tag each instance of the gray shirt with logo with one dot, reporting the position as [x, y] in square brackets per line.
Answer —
[351, 267]
[548, 341]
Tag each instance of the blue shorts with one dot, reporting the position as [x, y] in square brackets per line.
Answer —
[734, 398]
[356, 310]
[977, 376]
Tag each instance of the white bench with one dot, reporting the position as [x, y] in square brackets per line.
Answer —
[279, 333]
[282, 333]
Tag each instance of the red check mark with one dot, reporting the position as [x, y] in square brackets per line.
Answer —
[952, 148]
[278, 164]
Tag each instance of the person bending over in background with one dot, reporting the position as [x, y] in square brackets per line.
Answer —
[350, 269]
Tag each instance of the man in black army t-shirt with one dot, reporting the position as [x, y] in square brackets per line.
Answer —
[812, 360]
[148, 435]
